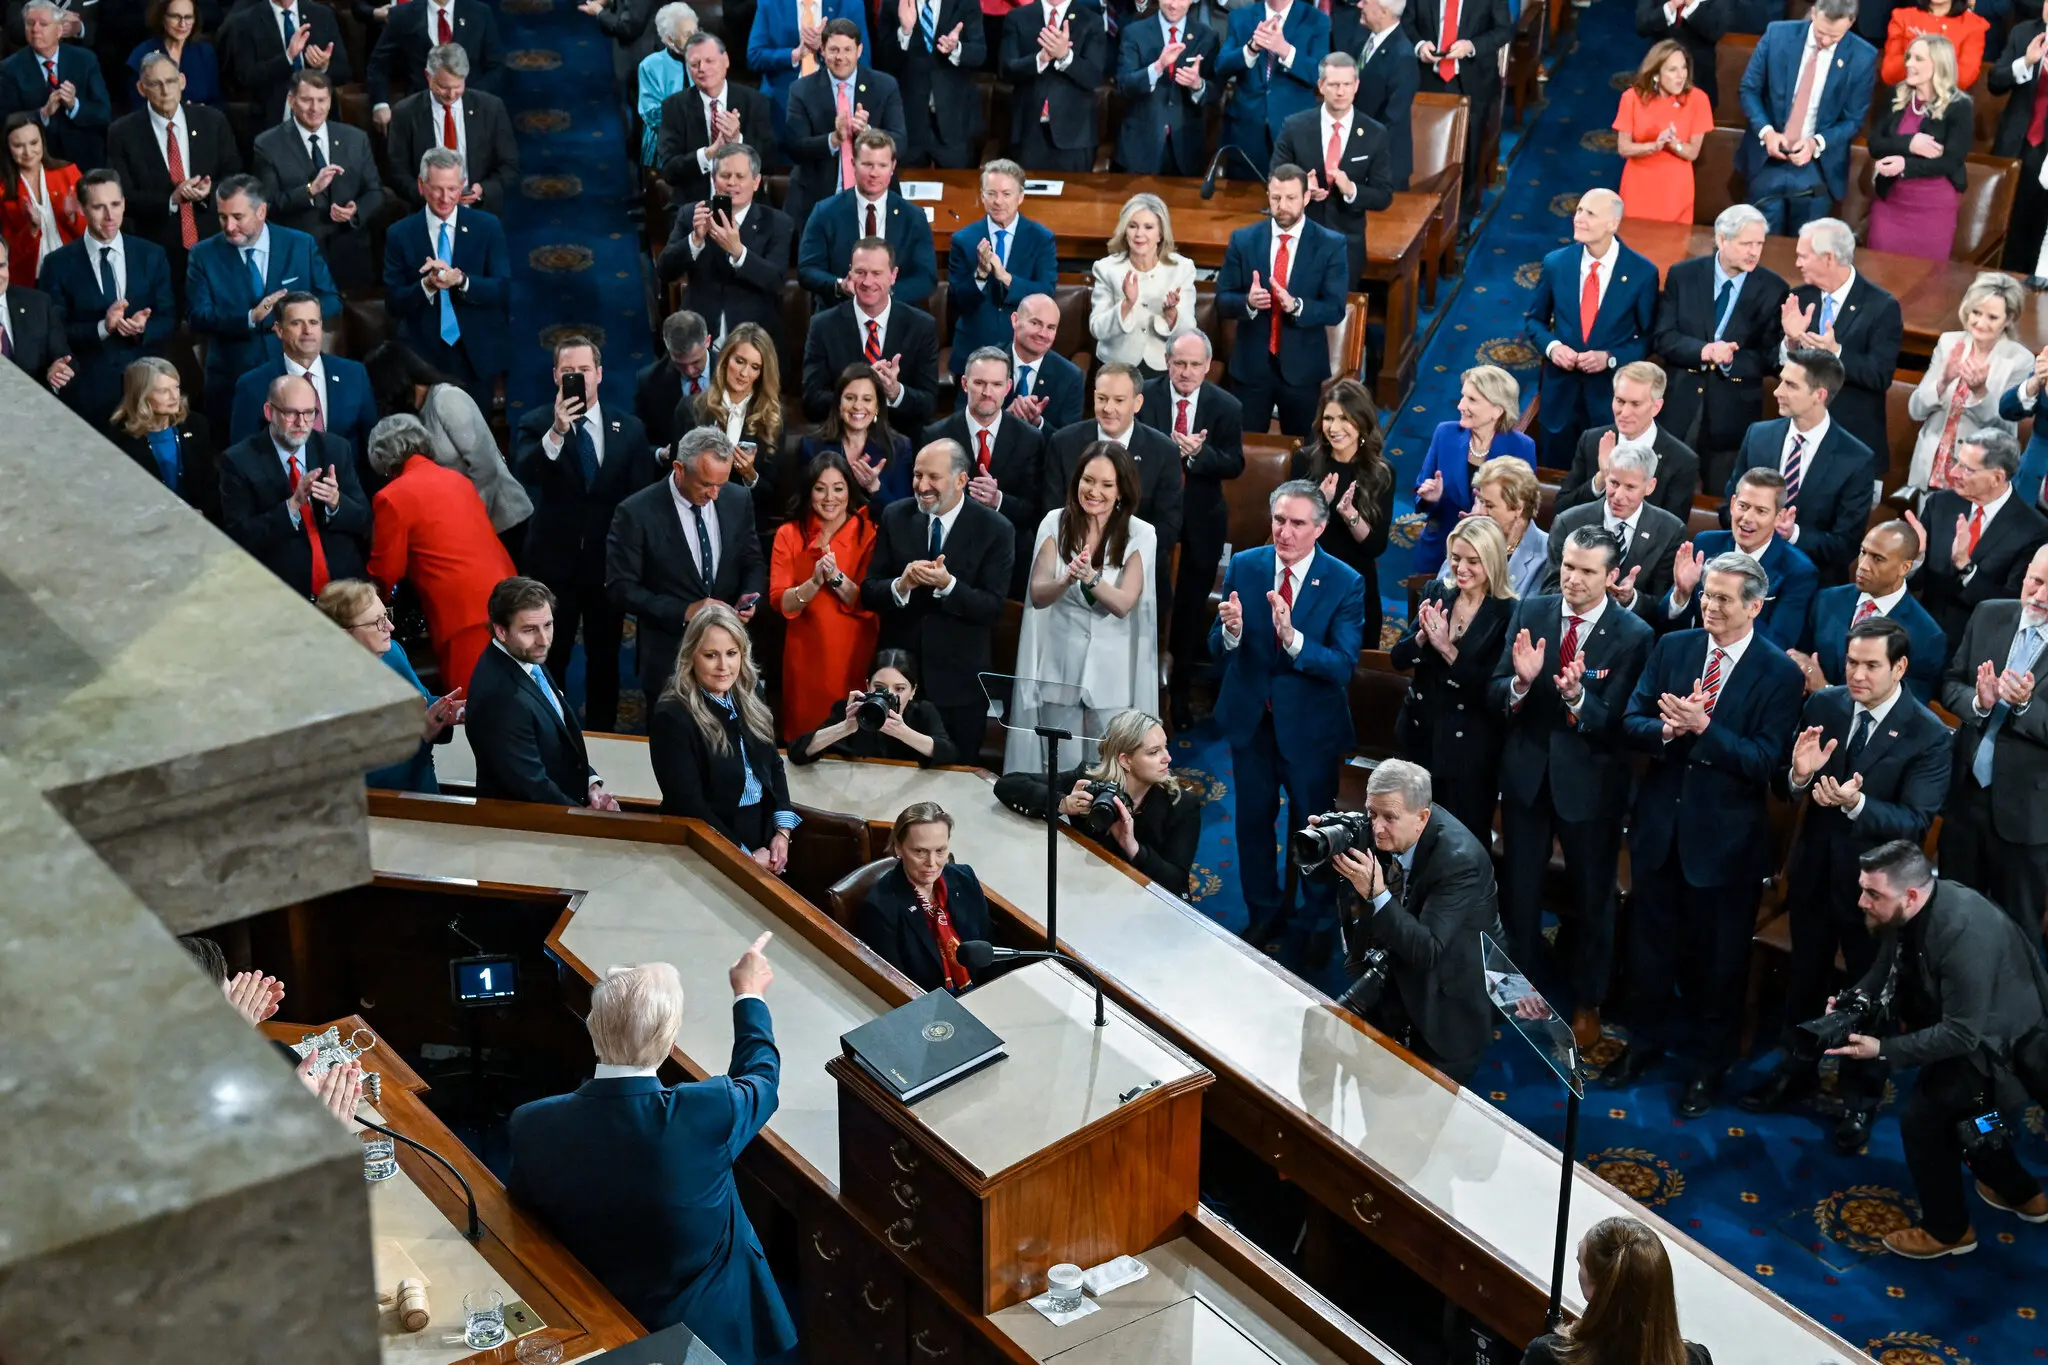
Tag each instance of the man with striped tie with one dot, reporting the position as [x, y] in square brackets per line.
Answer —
[1715, 711]
[871, 327]
[1828, 471]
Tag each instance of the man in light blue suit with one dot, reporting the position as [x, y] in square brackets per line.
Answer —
[1797, 172]
[1580, 355]
[1284, 279]
[1758, 523]
[234, 281]
[114, 291]
[1274, 54]
[785, 43]
[341, 385]
[635, 1177]
[448, 280]
[1287, 635]
[1889, 551]
[996, 263]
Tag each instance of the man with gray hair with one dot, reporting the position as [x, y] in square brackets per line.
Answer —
[588, 1163]
[449, 114]
[1592, 312]
[1348, 155]
[1649, 536]
[681, 373]
[61, 84]
[1166, 72]
[1287, 637]
[996, 263]
[168, 154]
[1388, 74]
[1715, 711]
[448, 280]
[409, 38]
[1978, 536]
[708, 114]
[1717, 337]
[734, 262]
[1805, 93]
[1425, 895]
[1840, 311]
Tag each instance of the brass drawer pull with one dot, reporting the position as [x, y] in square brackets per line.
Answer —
[818, 1245]
[904, 1227]
[924, 1348]
[900, 1154]
[1358, 1206]
[906, 1197]
[867, 1296]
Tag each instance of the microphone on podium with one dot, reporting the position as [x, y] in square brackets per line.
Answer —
[475, 1231]
[977, 954]
[1216, 164]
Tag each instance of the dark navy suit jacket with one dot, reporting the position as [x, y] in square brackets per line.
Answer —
[777, 26]
[253, 492]
[826, 251]
[1771, 80]
[1317, 275]
[1827, 638]
[1309, 693]
[1905, 764]
[1059, 382]
[1261, 100]
[803, 128]
[636, 1179]
[1581, 753]
[219, 295]
[347, 409]
[1706, 793]
[1793, 584]
[1152, 107]
[79, 136]
[483, 309]
[71, 278]
[1386, 92]
[1628, 311]
[1833, 505]
[981, 311]
[399, 58]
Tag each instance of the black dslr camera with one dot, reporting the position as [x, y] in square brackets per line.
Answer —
[1854, 1012]
[875, 709]
[1374, 966]
[1100, 817]
[1313, 846]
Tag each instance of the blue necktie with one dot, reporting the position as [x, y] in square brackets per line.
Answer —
[1721, 301]
[1024, 381]
[1857, 739]
[933, 551]
[1827, 313]
[1003, 247]
[540, 679]
[451, 330]
[586, 451]
[2019, 659]
[291, 26]
[255, 272]
[928, 18]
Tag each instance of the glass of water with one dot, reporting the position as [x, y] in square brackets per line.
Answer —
[539, 1350]
[380, 1157]
[483, 1313]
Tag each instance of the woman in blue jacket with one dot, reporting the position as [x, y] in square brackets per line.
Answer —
[1489, 405]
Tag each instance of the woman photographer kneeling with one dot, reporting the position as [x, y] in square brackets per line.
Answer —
[911, 728]
[1129, 802]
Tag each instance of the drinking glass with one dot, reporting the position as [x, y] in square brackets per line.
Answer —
[539, 1350]
[483, 1314]
[380, 1157]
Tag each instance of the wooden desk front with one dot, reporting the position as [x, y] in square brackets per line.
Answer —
[426, 1213]
[1083, 215]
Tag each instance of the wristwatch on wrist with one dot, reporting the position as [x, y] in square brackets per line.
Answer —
[835, 580]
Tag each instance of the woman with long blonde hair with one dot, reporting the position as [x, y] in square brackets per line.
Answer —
[1144, 289]
[1920, 150]
[745, 401]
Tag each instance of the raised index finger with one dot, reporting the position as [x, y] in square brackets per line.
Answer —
[761, 942]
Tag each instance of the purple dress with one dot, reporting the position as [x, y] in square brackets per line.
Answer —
[1916, 216]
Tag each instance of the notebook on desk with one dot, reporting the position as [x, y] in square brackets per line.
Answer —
[676, 1345]
[922, 1047]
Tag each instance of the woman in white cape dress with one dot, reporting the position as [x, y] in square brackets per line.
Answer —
[1091, 619]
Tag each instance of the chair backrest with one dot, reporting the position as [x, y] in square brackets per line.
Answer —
[1986, 109]
[1854, 209]
[1073, 334]
[1376, 692]
[1003, 645]
[825, 848]
[1266, 458]
[1700, 519]
[1987, 205]
[1731, 59]
[1901, 432]
[1546, 503]
[1716, 185]
[1440, 124]
[796, 322]
[844, 897]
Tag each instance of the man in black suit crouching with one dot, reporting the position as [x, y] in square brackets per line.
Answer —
[522, 729]
[937, 577]
[1426, 899]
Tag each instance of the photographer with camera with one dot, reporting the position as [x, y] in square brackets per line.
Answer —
[1874, 764]
[1129, 803]
[1416, 924]
[889, 720]
[1970, 998]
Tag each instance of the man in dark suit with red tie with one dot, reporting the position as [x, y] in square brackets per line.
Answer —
[1007, 453]
[169, 154]
[1458, 43]
[1166, 72]
[1593, 310]
[1055, 53]
[900, 341]
[710, 112]
[289, 494]
[1284, 280]
[1979, 535]
[1356, 161]
[2017, 77]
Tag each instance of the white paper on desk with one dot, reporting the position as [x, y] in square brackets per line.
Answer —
[931, 215]
[1045, 187]
[921, 189]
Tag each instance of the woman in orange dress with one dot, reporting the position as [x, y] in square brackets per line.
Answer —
[1952, 19]
[1658, 130]
[820, 557]
[39, 209]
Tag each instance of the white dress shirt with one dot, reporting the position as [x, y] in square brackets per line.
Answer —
[1055, 11]
[6, 319]
[686, 513]
[1647, 443]
[1298, 573]
[1857, 710]
[1625, 529]
[881, 321]
[49, 236]
[1292, 237]
[1810, 442]
[704, 162]
[903, 36]
[1124, 440]
[1886, 604]
[945, 520]
[314, 374]
[166, 129]
[93, 248]
[552, 445]
[736, 420]
[1587, 260]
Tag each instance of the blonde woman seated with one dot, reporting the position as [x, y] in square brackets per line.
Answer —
[1144, 293]
[1970, 370]
[1150, 822]
[1505, 492]
[1090, 617]
[712, 741]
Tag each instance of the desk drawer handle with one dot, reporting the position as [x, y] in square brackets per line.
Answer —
[925, 1349]
[899, 1152]
[906, 1196]
[1358, 1206]
[818, 1245]
[867, 1296]
[903, 1226]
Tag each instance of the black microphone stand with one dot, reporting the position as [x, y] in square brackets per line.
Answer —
[1052, 735]
[1208, 190]
[475, 1232]
[976, 954]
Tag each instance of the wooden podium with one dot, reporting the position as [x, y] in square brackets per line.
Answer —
[1080, 1145]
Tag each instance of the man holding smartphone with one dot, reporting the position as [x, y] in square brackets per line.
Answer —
[733, 250]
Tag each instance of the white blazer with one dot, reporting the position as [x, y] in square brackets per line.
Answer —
[1142, 338]
[1928, 405]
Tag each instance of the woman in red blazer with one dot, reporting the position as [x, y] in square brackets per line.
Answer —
[39, 209]
[430, 529]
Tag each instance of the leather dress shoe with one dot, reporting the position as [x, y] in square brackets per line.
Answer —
[1780, 1088]
[1585, 1028]
[1634, 1063]
[1702, 1093]
[2035, 1210]
[1852, 1131]
[1917, 1244]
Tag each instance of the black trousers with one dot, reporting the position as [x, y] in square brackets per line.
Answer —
[1200, 549]
[1266, 394]
[966, 725]
[1691, 944]
[585, 604]
[1261, 775]
[1035, 152]
[1592, 848]
[1946, 1093]
[2014, 877]
[2029, 220]
[1825, 919]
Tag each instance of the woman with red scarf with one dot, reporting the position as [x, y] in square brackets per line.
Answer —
[926, 906]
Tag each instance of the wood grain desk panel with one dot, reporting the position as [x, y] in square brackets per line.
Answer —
[426, 1213]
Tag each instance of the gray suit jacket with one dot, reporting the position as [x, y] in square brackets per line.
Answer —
[2019, 770]
[286, 168]
[1650, 551]
[1978, 963]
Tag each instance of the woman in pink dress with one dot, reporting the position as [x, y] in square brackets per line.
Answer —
[1918, 150]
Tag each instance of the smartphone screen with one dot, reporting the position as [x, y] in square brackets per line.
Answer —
[747, 600]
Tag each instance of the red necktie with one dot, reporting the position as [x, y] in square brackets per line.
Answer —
[311, 521]
[874, 346]
[1172, 37]
[448, 136]
[1865, 611]
[174, 162]
[1279, 282]
[50, 66]
[1180, 419]
[1446, 69]
[443, 34]
[1976, 528]
[2037, 121]
[1287, 588]
[982, 455]
[1589, 302]
[1569, 650]
[871, 222]
[1333, 153]
[1711, 684]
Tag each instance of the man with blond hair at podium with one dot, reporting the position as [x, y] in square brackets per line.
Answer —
[635, 1176]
